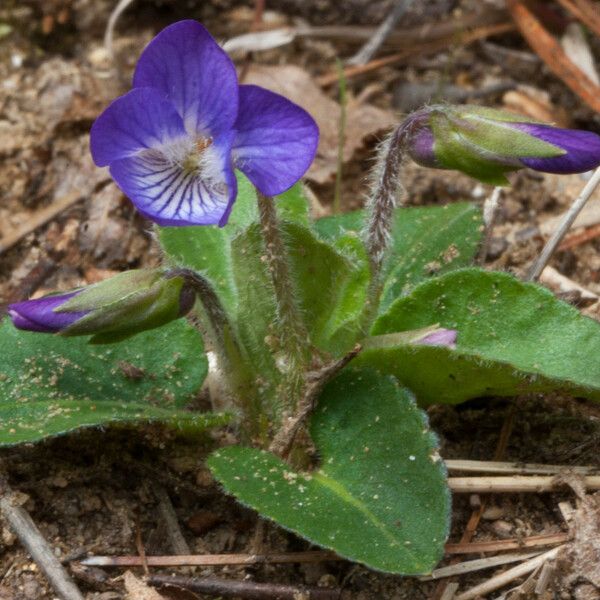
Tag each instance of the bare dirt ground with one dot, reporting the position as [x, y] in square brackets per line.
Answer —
[97, 491]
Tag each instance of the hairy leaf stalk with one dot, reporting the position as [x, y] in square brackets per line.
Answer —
[229, 352]
[293, 334]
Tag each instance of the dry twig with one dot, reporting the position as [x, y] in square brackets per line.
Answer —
[405, 38]
[565, 224]
[479, 564]
[585, 11]
[476, 515]
[245, 589]
[544, 578]
[139, 544]
[515, 484]
[210, 560]
[490, 466]
[449, 591]
[562, 284]
[117, 11]
[582, 237]
[29, 535]
[315, 381]
[366, 53]
[505, 578]
[167, 513]
[550, 51]
[460, 39]
[534, 541]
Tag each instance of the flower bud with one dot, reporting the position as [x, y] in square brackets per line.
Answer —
[111, 310]
[439, 337]
[486, 143]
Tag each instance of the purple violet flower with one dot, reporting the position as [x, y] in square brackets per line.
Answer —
[486, 143]
[173, 141]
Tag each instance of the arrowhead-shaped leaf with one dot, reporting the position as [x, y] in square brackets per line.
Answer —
[50, 385]
[379, 496]
[513, 338]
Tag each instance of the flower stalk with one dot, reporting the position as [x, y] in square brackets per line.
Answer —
[380, 208]
[229, 352]
[383, 196]
[293, 333]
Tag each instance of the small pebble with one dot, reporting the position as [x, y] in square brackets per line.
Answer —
[31, 590]
[492, 513]
[502, 529]
[496, 248]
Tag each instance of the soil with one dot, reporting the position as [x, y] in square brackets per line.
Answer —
[97, 491]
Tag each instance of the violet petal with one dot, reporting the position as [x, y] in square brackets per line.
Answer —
[186, 64]
[276, 140]
[38, 315]
[171, 195]
[582, 149]
[421, 142]
[139, 120]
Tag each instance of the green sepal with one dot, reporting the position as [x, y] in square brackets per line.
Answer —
[491, 131]
[126, 304]
[482, 143]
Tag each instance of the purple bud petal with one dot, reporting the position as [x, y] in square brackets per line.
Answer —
[39, 314]
[421, 141]
[440, 337]
[582, 149]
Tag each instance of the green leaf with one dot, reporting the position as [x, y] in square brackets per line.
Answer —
[207, 249]
[426, 241]
[513, 338]
[330, 289]
[50, 385]
[379, 496]
[255, 320]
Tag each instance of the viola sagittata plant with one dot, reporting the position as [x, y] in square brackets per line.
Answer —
[173, 141]
[328, 334]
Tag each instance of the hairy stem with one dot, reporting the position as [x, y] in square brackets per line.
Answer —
[229, 351]
[315, 382]
[293, 334]
[380, 210]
